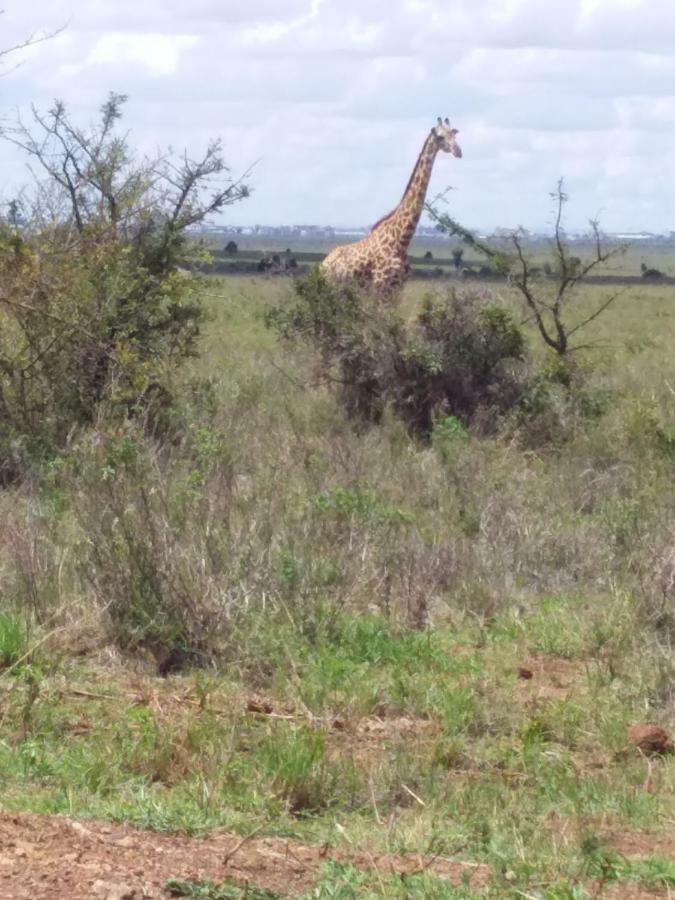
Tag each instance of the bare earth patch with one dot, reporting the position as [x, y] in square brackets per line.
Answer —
[52, 857]
[643, 843]
[548, 678]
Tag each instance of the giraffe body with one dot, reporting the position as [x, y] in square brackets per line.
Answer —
[379, 261]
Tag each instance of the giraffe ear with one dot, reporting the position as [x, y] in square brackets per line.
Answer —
[440, 121]
[447, 121]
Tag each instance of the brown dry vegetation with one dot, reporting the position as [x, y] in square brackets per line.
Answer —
[254, 613]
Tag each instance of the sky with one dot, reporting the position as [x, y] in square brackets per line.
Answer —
[331, 100]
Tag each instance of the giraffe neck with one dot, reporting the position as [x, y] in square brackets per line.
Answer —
[402, 221]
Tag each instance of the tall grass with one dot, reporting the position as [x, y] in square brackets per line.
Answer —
[266, 501]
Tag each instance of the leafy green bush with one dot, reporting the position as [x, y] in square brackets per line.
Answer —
[556, 401]
[461, 358]
[462, 354]
[95, 298]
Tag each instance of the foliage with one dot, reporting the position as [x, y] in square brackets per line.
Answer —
[94, 303]
[364, 603]
[461, 358]
[557, 401]
[548, 305]
[459, 355]
[651, 274]
[140, 529]
[13, 640]
[225, 890]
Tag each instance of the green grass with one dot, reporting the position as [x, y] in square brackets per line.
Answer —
[252, 247]
[466, 764]
[225, 890]
[341, 881]
[13, 640]
[313, 551]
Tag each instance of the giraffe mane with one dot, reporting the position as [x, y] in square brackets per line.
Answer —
[412, 173]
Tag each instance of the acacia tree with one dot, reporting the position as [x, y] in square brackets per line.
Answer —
[94, 298]
[549, 301]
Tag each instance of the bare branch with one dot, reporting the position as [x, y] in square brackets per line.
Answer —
[594, 315]
[452, 226]
[31, 41]
[549, 315]
[522, 283]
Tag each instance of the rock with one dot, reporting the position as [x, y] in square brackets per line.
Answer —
[523, 672]
[125, 842]
[111, 890]
[650, 739]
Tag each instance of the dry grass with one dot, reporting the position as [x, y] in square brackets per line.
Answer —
[360, 605]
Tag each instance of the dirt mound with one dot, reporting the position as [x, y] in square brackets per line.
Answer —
[52, 857]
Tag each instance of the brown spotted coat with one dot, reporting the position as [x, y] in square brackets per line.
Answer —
[379, 262]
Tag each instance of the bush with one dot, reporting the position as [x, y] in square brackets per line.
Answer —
[651, 274]
[556, 400]
[157, 569]
[460, 356]
[95, 300]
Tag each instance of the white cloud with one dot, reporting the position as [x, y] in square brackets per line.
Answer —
[158, 53]
[335, 97]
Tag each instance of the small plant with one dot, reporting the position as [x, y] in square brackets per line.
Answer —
[13, 640]
[557, 401]
[141, 527]
[449, 428]
[366, 506]
[296, 765]
[223, 890]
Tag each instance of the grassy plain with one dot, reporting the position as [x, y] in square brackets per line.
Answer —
[430, 648]
[651, 254]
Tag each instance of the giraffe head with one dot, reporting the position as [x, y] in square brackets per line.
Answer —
[447, 137]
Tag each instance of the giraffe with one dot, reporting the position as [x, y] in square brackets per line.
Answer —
[379, 261]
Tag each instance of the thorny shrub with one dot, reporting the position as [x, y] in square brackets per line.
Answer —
[462, 355]
[94, 303]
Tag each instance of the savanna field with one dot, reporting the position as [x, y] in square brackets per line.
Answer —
[314, 656]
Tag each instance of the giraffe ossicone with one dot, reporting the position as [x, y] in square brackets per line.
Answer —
[379, 262]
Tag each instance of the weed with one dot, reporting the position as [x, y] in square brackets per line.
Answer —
[13, 640]
[357, 605]
[224, 890]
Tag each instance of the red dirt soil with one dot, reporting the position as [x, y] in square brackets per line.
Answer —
[53, 857]
[56, 858]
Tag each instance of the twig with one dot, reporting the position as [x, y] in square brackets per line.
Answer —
[43, 312]
[77, 692]
[32, 650]
[240, 844]
[378, 818]
[261, 713]
[376, 869]
[413, 794]
[293, 381]
[460, 862]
